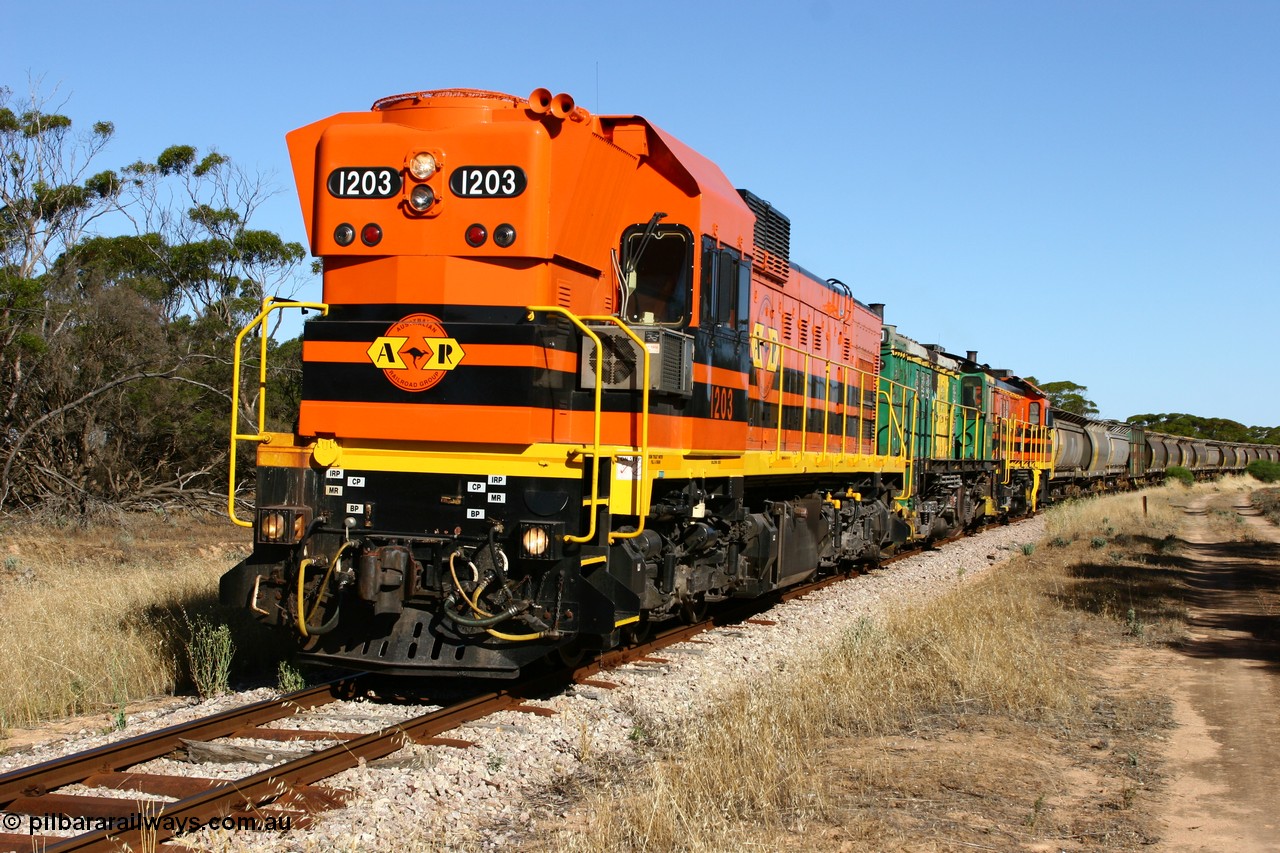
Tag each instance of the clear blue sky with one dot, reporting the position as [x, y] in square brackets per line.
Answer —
[1084, 190]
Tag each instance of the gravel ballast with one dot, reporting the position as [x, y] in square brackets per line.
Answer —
[485, 796]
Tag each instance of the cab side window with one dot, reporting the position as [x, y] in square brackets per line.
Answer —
[726, 287]
[660, 274]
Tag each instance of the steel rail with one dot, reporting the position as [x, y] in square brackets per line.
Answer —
[38, 779]
[279, 781]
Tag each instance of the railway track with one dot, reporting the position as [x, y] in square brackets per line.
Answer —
[291, 789]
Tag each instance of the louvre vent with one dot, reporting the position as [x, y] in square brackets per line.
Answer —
[673, 367]
[772, 236]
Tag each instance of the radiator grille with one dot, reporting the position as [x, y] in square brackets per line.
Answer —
[772, 236]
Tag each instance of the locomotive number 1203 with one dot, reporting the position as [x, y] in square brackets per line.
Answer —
[487, 181]
[363, 182]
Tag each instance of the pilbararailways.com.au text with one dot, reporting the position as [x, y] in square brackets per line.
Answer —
[165, 823]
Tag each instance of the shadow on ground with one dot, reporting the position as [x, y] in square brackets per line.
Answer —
[1227, 594]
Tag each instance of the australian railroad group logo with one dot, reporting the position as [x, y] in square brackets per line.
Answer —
[416, 352]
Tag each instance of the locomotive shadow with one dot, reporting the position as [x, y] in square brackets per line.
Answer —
[1225, 595]
[257, 650]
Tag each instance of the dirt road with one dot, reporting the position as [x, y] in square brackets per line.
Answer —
[1224, 756]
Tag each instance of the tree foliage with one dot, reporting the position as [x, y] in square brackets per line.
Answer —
[1215, 429]
[1068, 396]
[121, 292]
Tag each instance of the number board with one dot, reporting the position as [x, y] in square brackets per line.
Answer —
[364, 182]
[488, 181]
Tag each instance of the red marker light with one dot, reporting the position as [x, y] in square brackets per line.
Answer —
[476, 235]
[371, 234]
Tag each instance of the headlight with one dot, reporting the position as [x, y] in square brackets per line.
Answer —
[421, 197]
[504, 235]
[541, 540]
[423, 165]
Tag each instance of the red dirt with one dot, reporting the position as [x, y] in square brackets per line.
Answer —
[1223, 759]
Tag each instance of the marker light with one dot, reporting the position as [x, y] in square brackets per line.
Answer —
[285, 525]
[421, 197]
[344, 235]
[271, 527]
[535, 541]
[371, 234]
[423, 165]
[476, 235]
[504, 235]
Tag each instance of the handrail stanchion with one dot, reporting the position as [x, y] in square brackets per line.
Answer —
[270, 304]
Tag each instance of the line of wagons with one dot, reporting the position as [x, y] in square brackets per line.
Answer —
[1092, 455]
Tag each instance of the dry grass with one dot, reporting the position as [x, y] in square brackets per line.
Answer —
[1268, 503]
[752, 769]
[1009, 713]
[94, 617]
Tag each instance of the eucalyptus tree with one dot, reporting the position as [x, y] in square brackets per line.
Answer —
[120, 293]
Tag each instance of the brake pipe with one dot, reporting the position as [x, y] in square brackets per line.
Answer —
[303, 617]
[485, 619]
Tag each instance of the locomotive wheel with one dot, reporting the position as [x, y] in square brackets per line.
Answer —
[694, 609]
[638, 632]
[571, 653]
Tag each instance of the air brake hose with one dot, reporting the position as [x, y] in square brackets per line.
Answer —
[499, 565]
[304, 618]
[481, 622]
[485, 619]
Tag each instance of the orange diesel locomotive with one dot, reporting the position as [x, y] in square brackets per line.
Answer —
[566, 383]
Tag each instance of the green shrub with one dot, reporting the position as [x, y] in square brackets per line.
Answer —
[209, 655]
[1264, 470]
[289, 679]
[1182, 475]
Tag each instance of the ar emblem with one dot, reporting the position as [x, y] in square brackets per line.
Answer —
[416, 353]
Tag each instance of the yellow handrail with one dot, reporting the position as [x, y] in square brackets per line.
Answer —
[595, 437]
[804, 409]
[1006, 447]
[826, 411]
[271, 303]
[895, 428]
[912, 453]
[642, 482]
[810, 372]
